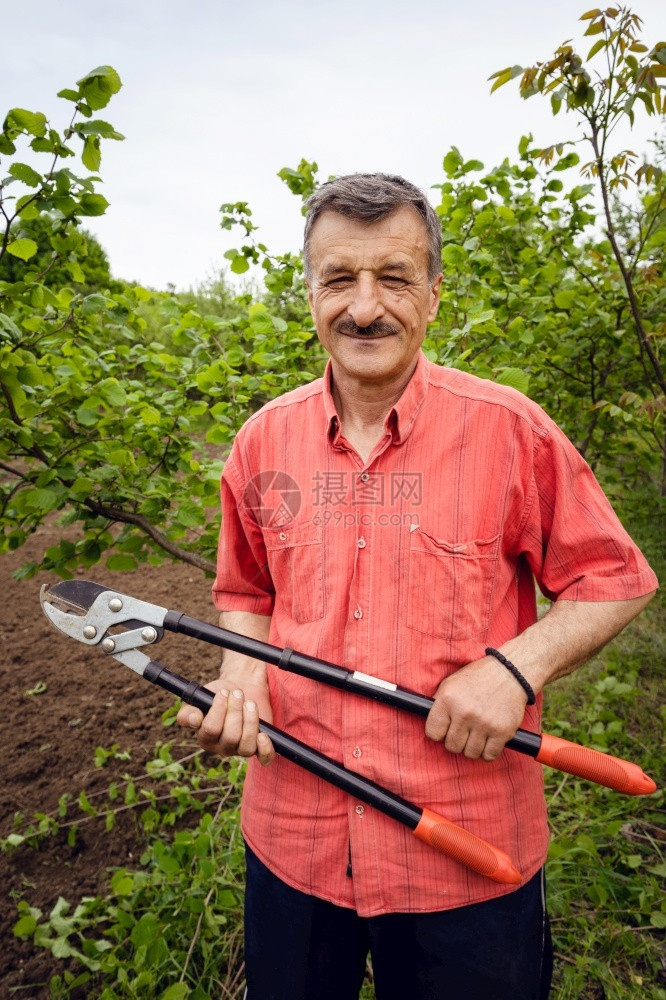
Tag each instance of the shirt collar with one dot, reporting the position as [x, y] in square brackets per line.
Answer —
[402, 415]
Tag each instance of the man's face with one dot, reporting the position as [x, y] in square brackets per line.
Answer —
[369, 292]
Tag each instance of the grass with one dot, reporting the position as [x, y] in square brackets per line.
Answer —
[606, 864]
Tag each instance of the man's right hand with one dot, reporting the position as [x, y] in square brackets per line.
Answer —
[231, 726]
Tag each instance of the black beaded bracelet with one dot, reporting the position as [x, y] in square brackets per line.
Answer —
[525, 685]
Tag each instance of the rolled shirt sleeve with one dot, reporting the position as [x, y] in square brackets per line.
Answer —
[573, 540]
[243, 581]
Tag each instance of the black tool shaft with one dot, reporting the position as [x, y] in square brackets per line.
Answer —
[295, 751]
[440, 833]
[524, 742]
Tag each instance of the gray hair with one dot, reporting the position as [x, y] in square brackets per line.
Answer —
[369, 198]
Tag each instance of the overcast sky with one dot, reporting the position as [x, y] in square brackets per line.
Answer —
[218, 96]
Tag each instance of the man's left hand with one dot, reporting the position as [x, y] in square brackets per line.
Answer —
[477, 709]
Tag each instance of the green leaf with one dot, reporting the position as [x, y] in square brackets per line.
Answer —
[98, 86]
[100, 128]
[453, 255]
[84, 804]
[69, 95]
[524, 144]
[190, 515]
[81, 487]
[112, 392]
[61, 948]
[240, 264]
[452, 161]
[564, 299]
[93, 303]
[86, 416]
[122, 883]
[121, 563]
[657, 919]
[150, 416]
[33, 122]
[179, 991]
[27, 209]
[22, 172]
[22, 248]
[93, 204]
[502, 78]
[76, 271]
[570, 160]
[514, 377]
[659, 869]
[598, 45]
[91, 157]
[25, 927]
[41, 499]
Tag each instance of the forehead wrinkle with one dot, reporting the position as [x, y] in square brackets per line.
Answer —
[333, 268]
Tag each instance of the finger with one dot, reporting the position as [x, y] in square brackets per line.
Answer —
[247, 745]
[456, 738]
[233, 724]
[189, 717]
[475, 745]
[493, 748]
[437, 723]
[265, 749]
[213, 722]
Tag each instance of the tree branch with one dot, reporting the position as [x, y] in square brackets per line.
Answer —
[127, 517]
[626, 277]
[35, 451]
[14, 472]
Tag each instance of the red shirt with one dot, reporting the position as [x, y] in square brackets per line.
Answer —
[406, 567]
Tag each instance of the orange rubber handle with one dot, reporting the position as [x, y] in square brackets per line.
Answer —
[613, 772]
[467, 848]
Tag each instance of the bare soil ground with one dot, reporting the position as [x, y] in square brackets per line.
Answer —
[48, 739]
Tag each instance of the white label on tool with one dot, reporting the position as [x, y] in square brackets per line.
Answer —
[376, 681]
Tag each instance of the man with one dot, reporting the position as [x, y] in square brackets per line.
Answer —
[418, 505]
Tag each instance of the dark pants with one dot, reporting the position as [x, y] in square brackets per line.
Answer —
[298, 947]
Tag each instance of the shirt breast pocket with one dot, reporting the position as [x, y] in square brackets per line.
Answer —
[450, 586]
[296, 563]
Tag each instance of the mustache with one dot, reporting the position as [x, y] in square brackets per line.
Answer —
[375, 329]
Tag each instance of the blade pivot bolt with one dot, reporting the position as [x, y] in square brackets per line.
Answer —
[115, 604]
[108, 645]
[149, 634]
[90, 632]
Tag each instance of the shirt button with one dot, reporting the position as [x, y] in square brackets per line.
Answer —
[282, 536]
[360, 810]
[358, 614]
[361, 542]
[364, 477]
[356, 752]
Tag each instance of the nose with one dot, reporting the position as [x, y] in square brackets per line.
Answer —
[366, 305]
